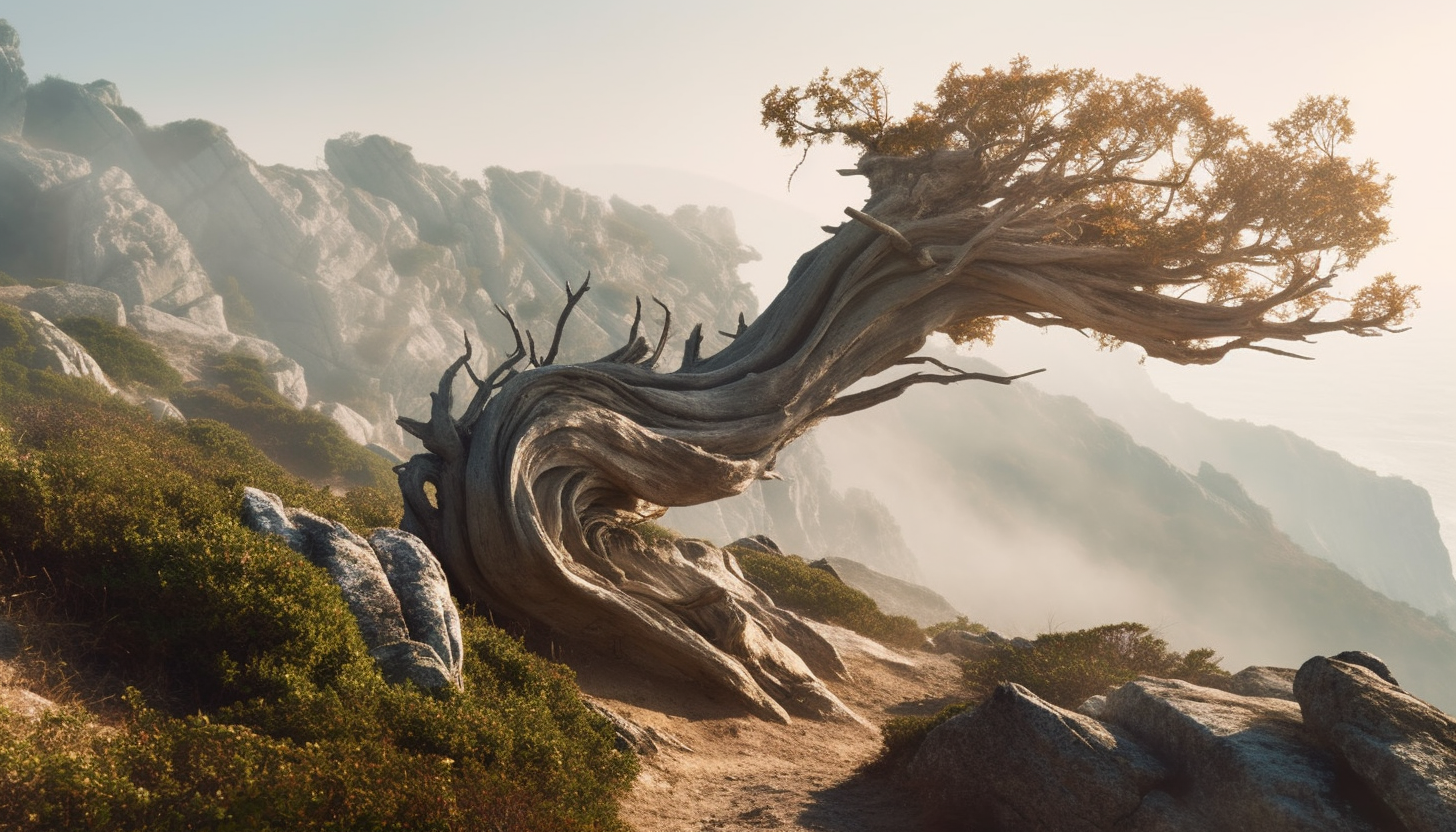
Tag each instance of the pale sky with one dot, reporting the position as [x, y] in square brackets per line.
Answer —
[672, 86]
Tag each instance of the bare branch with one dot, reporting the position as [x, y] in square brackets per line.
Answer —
[661, 339]
[891, 390]
[902, 245]
[571, 301]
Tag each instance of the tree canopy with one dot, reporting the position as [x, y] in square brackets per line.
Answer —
[1204, 238]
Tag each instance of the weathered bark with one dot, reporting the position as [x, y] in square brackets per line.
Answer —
[539, 481]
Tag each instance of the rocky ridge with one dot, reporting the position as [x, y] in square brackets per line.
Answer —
[1346, 750]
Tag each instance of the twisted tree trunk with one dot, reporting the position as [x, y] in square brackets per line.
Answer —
[540, 480]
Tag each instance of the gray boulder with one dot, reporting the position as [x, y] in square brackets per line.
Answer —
[119, 240]
[372, 598]
[59, 352]
[355, 426]
[1275, 682]
[1016, 762]
[1399, 746]
[70, 300]
[163, 410]
[963, 644]
[424, 595]
[1247, 760]
[1369, 662]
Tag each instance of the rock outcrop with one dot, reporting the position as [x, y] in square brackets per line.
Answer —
[1398, 746]
[392, 584]
[1016, 762]
[1354, 753]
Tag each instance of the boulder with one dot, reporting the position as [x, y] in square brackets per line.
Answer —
[1016, 762]
[1369, 662]
[963, 644]
[424, 595]
[1403, 749]
[163, 410]
[396, 593]
[356, 426]
[1246, 760]
[24, 703]
[73, 300]
[1275, 682]
[59, 352]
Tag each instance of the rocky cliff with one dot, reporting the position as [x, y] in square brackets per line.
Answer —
[353, 284]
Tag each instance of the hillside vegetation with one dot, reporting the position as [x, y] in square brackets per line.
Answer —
[212, 678]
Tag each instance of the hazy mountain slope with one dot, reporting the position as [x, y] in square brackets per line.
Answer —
[1027, 510]
[1380, 529]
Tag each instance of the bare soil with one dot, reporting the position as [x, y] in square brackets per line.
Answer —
[746, 774]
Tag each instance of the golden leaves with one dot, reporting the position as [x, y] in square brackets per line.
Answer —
[975, 330]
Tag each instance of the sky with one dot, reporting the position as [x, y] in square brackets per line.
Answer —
[658, 101]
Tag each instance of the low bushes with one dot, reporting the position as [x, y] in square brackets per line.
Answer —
[1064, 669]
[251, 701]
[794, 584]
[305, 442]
[126, 358]
[1068, 668]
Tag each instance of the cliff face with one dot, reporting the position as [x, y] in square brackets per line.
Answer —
[365, 274]
[353, 284]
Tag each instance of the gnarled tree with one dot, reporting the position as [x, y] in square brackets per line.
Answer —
[1124, 209]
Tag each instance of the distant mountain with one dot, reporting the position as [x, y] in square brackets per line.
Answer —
[354, 284]
[1028, 510]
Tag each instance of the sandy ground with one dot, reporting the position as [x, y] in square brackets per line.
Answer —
[746, 774]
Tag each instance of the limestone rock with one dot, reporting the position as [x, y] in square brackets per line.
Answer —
[357, 427]
[26, 704]
[424, 595]
[1276, 682]
[1246, 759]
[119, 240]
[397, 593]
[75, 300]
[59, 352]
[163, 410]
[12, 82]
[83, 119]
[1369, 662]
[1401, 747]
[1016, 762]
[963, 644]
[26, 174]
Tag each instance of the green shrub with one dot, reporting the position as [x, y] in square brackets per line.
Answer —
[125, 357]
[7, 280]
[1064, 669]
[794, 584]
[1068, 668]
[960, 622]
[901, 737]
[256, 704]
[305, 442]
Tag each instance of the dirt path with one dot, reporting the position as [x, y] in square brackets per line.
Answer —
[746, 774]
